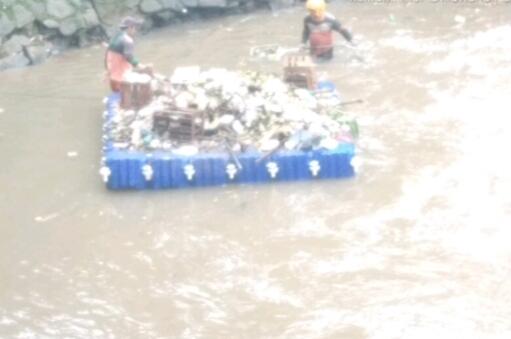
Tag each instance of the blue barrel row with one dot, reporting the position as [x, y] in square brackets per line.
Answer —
[160, 170]
[139, 171]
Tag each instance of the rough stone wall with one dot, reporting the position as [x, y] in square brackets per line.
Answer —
[32, 30]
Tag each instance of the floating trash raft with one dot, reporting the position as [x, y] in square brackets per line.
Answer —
[141, 164]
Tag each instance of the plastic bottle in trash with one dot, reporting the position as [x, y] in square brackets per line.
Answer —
[324, 85]
[326, 91]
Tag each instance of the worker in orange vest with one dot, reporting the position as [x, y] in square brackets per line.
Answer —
[318, 28]
[119, 55]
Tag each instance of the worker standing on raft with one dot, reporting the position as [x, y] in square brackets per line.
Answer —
[318, 28]
[119, 56]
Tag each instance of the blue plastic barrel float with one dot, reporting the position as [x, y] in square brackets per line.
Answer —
[135, 170]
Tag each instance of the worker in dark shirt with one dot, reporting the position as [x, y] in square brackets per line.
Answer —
[119, 55]
[318, 28]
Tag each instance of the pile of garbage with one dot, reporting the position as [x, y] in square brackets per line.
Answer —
[217, 110]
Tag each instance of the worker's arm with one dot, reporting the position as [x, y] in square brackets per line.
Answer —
[336, 26]
[306, 32]
[128, 52]
[122, 44]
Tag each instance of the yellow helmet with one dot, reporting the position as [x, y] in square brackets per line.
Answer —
[316, 5]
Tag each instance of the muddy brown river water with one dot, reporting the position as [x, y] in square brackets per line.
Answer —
[417, 245]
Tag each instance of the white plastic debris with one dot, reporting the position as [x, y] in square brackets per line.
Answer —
[42, 219]
[206, 107]
[187, 150]
[155, 144]
[185, 75]
[136, 137]
[184, 99]
[72, 154]
[460, 19]
[306, 97]
[238, 127]
[135, 77]
[329, 143]
[121, 145]
[269, 145]
[226, 119]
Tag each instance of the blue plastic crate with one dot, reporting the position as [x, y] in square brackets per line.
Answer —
[162, 170]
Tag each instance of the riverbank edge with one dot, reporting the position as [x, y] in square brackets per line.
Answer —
[32, 31]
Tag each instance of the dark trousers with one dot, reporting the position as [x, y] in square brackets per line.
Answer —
[325, 56]
[115, 86]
